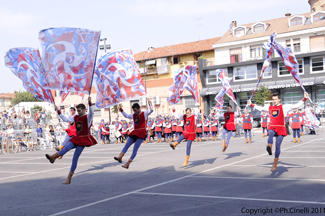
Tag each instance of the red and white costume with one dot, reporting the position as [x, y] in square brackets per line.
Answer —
[206, 126]
[180, 125]
[264, 120]
[296, 120]
[247, 121]
[199, 127]
[190, 125]
[214, 125]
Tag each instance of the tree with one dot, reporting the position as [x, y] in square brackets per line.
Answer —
[261, 95]
[115, 109]
[23, 96]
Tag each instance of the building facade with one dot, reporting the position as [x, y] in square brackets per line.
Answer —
[240, 53]
[5, 100]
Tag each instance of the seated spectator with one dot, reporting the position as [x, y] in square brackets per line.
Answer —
[28, 132]
[21, 142]
[50, 134]
[10, 131]
[39, 131]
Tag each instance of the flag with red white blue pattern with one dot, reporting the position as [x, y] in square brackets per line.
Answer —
[185, 78]
[118, 79]
[225, 84]
[311, 119]
[69, 56]
[25, 63]
[219, 98]
[64, 95]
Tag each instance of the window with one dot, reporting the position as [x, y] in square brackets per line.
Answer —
[317, 43]
[247, 72]
[283, 71]
[256, 51]
[296, 45]
[212, 76]
[318, 17]
[243, 98]
[175, 60]
[240, 32]
[317, 64]
[268, 72]
[97, 112]
[291, 95]
[236, 55]
[189, 102]
[296, 21]
[288, 43]
[258, 28]
[2, 102]
[320, 94]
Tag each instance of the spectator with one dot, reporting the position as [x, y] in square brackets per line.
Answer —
[20, 141]
[10, 131]
[50, 134]
[10, 110]
[37, 117]
[9, 120]
[58, 130]
[28, 132]
[5, 114]
[27, 117]
[43, 116]
[39, 131]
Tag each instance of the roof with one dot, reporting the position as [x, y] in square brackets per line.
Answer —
[280, 25]
[178, 49]
[7, 95]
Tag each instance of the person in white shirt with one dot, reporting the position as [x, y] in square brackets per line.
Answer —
[10, 131]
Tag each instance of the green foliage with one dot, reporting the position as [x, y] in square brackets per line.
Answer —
[261, 95]
[35, 109]
[115, 109]
[23, 96]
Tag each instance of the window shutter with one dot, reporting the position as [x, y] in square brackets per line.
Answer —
[317, 43]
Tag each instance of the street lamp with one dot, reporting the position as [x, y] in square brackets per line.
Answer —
[150, 49]
[106, 47]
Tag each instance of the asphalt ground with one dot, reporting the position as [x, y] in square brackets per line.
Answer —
[237, 182]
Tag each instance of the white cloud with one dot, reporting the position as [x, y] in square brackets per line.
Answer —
[195, 7]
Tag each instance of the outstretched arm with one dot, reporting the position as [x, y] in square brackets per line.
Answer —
[297, 105]
[129, 116]
[63, 117]
[259, 108]
[148, 112]
[90, 115]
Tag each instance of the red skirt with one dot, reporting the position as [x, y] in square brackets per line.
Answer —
[206, 129]
[157, 129]
[189, 135]
[85, 140]
[278, 129]
[198, 130]
[230, 126]
[214, 128]
[247, 126]
[264, 124]
[179, 129]
[295, 125]
[167, 130]
[174, 128]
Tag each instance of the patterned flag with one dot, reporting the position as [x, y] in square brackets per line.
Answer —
[219, 98]
[267, 61]
[26, 63]
[118, 79]
[226, 86]
[69, 56]
[186, 78]
[64, 95]
[289, 60]
[311, 120]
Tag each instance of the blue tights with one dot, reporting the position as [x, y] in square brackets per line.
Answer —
[214, 133]
[278, 142]
[296, 132]
[302, 128]
[76, 154]
[264, 129]
[206, 134]
[158, 135]
[189, 144]
[137, 142]
[198, 135]
[249, 133]
[228, 133]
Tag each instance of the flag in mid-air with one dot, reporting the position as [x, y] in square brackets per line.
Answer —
[267, 60]
[289, 60]
[219, 98]
[225, 84]
[186, 78]
[26, 63]
[64, 95]
[118, 79]
[68, 56]
[311, 120]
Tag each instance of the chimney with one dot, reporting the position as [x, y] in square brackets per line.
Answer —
[234, 24]
[288, 14]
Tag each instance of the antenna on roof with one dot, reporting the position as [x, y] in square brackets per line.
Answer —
[198, 25]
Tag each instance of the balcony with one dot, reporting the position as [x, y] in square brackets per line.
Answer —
[252, 56]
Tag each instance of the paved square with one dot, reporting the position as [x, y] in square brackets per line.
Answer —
[213, 183]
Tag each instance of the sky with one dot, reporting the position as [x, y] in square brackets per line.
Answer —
[136, 24]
